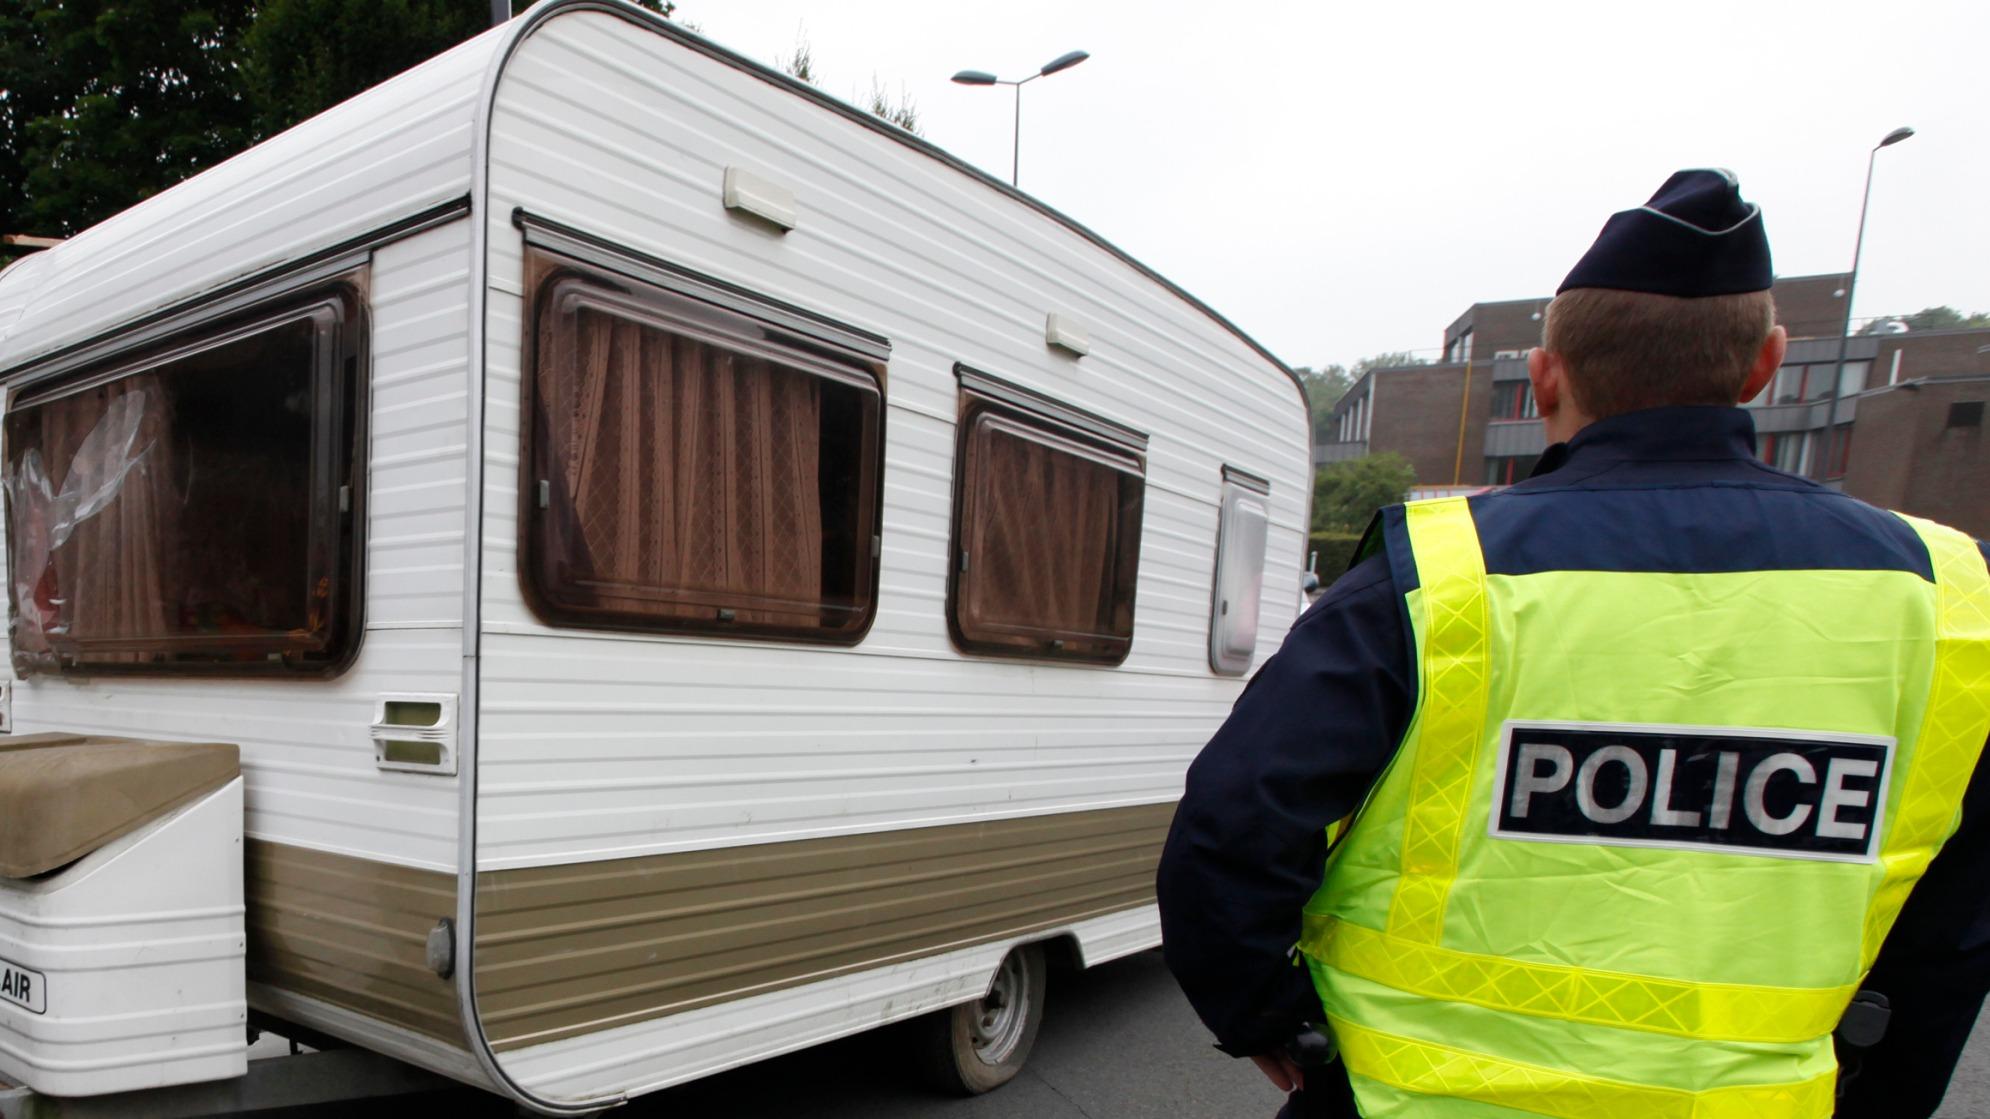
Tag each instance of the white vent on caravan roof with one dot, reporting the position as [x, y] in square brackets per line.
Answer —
[761, 197]
[1066, 333]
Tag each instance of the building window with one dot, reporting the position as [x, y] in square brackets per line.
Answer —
[194, 507]
[1354, 419]
[1459, 349]
[1241, 525]
[1047, 527]
[1803, 384]
[692, 468]
[1514, 400]
[1965, 413]
[1505, 470]
[1788, 451]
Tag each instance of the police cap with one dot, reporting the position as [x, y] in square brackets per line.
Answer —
[1696, 237]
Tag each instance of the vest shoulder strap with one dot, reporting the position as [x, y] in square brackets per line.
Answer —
[1451, 579]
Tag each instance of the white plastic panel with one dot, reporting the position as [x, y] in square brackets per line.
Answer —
[124, 970]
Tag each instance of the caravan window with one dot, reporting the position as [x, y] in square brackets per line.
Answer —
[1047, 532]
[193, 508]
[691, 468]
[1241, 525]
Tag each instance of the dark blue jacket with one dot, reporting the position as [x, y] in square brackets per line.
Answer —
[1671, 489]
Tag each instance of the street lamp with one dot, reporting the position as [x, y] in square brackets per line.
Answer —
[1063, 61]
[1851, 282]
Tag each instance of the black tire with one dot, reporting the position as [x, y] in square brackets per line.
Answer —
[979, 1046]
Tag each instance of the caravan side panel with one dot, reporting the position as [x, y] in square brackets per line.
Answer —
[349, 866]
[678, 831]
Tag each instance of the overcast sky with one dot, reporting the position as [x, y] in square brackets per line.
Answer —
[1341, 179]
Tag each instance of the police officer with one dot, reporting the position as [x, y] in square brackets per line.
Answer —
[1633, 767]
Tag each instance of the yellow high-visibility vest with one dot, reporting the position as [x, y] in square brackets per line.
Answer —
[1646, 831]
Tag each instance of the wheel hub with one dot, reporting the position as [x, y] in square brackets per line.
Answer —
[999, 1017]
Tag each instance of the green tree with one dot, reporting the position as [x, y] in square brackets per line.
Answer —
[1324, 388]
[1934, 318]
[1388, 359]
[104, 103]
[1346, 494]
[899, 111]
[301, 57]
[801, 64]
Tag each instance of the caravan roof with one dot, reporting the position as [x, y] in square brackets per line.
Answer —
[410, 147]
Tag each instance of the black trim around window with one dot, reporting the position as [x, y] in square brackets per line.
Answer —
[221, 607]
[635, 376]
[1048, 507]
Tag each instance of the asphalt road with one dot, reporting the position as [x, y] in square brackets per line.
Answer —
[1969, 1091]
[1118, 1042]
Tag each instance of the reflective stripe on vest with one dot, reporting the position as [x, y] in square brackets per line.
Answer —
[1447, 755]
[1454, 712]
[1729, 1011]
[1430, 1069]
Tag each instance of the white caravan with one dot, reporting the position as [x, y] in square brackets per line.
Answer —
[687, 571]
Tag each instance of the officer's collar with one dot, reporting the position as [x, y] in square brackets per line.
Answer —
[1679, 434]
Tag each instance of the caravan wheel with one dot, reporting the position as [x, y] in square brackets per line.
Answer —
[979, 1046]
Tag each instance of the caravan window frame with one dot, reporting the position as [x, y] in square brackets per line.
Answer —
[333, 297]
[990, 407]
[566, 274]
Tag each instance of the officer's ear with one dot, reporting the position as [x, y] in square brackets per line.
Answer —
[1548, 375]
[1767, 360]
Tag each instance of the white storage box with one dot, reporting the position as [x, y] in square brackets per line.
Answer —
[121, 944]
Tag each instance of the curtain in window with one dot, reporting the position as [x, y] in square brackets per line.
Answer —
[690, 473]
[1042, 559]
[99, 481]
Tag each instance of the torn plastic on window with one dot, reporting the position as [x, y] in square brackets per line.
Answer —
[44, 518]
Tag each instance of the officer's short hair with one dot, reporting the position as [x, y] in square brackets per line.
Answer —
[1628, 350]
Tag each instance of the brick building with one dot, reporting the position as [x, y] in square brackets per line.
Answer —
[1902, 427]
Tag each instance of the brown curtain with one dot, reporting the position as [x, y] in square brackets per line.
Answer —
[108, 581]
[691, 473]
[1044, 541]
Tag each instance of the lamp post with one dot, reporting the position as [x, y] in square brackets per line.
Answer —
[1851, 283]
[1063, 61]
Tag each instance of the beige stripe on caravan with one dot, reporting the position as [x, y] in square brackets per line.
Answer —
[569, 950]
[351, 932]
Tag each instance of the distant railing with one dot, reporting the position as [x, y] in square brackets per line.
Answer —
[1324, 453]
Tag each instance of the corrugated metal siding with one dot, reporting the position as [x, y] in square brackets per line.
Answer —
[350, 932]
[597, 746]
[570, 950]
[392, 151]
